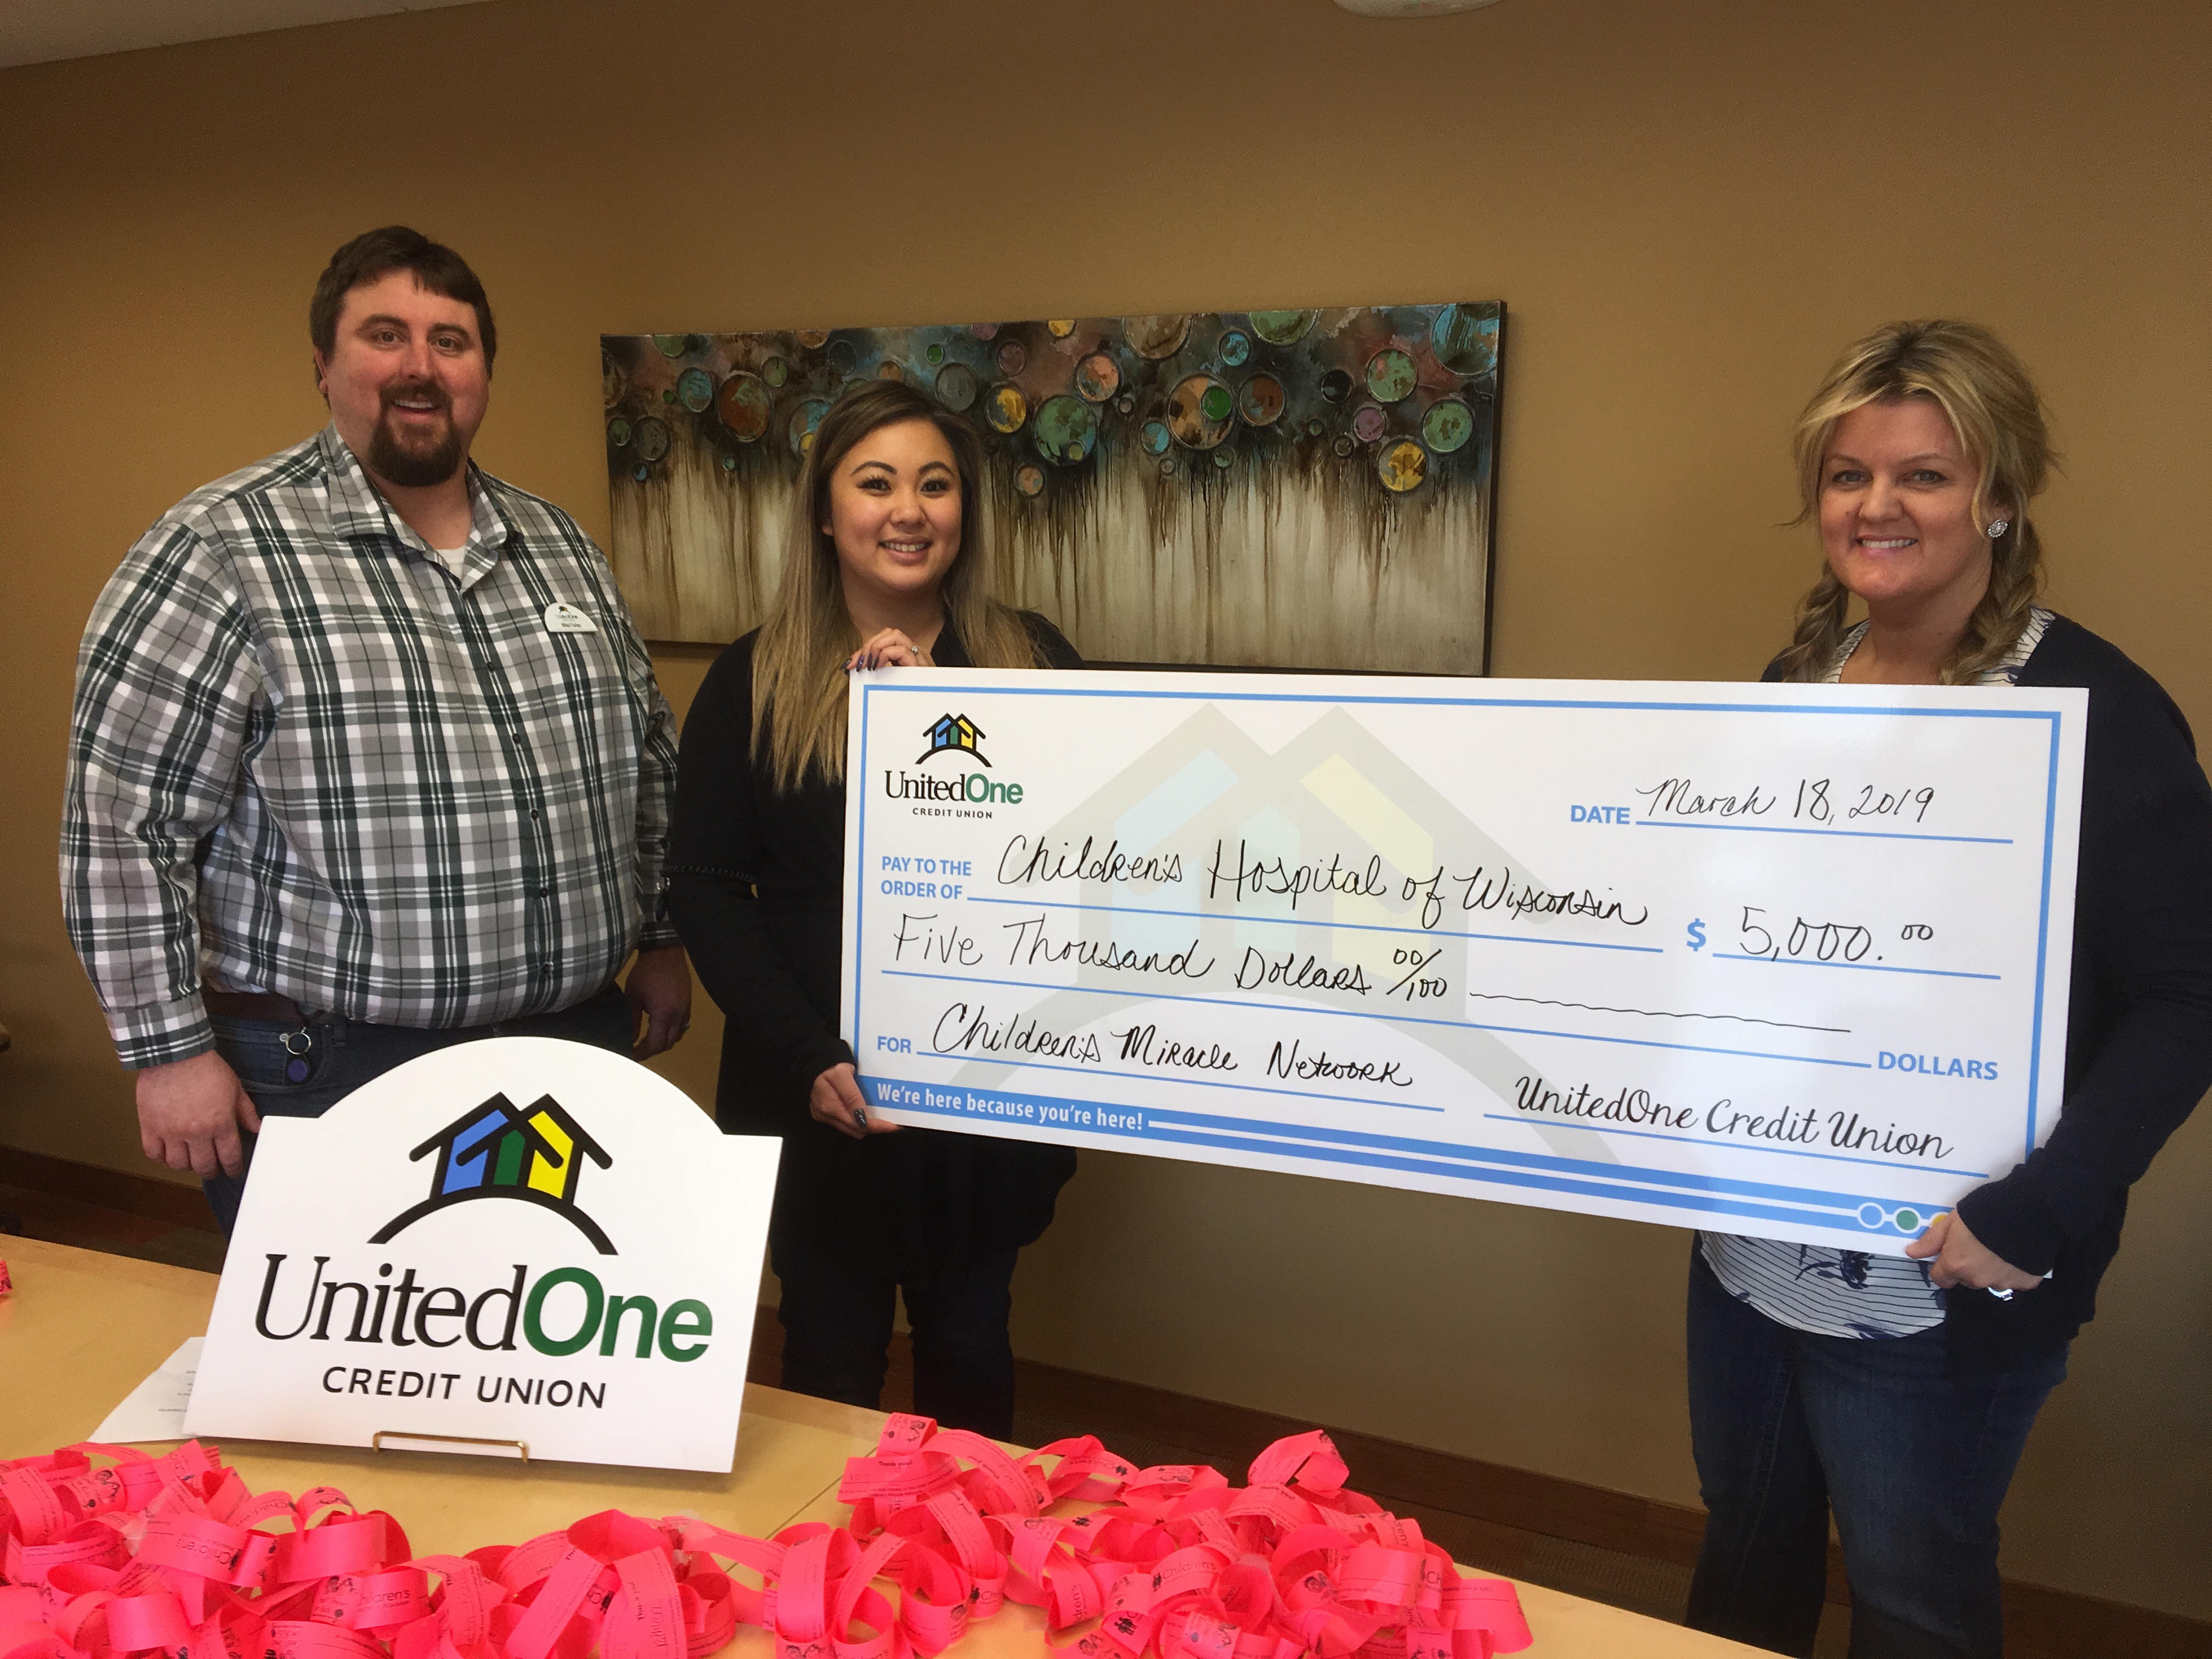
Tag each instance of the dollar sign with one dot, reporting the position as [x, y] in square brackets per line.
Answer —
[1697, 934]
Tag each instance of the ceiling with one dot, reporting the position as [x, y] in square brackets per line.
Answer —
[40, 30]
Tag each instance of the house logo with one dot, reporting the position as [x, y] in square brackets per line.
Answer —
[964, 794]
[956, 732]
[496, 1150]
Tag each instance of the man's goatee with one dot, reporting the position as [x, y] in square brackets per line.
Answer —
[413, 469]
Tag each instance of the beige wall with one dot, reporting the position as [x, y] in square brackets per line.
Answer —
[1688, 209]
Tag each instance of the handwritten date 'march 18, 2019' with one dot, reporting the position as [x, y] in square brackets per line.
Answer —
[1770, 959]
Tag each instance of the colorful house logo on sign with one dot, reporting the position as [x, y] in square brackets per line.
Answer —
[954, 732]
[495, 1151]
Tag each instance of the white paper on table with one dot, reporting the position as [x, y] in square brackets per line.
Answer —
[155, 1410]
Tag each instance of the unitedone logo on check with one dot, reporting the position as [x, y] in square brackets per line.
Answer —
[947, 791]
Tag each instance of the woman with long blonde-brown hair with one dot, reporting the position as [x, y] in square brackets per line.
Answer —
[1898, 1392]
[886, 565]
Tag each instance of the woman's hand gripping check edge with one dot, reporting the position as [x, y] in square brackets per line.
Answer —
[1962, 1260]
[835, 1099]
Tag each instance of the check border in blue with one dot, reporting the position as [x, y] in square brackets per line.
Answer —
[1859, 1214]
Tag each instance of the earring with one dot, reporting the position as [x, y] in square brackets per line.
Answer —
[1998, 526]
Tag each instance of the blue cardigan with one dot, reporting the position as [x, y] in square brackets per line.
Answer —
[2139, 1024]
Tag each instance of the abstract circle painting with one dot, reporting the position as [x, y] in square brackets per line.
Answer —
[1447, 426]
[1006, 408]
[744, 405]
[1065, 430]
[1401, 465]
[956, 386]
[1150, 451]
[1156, 337]
[1281, 327]
[650, 438]
[1259, 400]
[1391, 375]
[1096, 377]
[1201, 411]
[805, 418]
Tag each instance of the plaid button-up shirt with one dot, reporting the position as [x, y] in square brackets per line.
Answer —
[307, 758]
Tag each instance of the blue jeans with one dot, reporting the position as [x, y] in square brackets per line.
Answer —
[1914, 1462]
[341, 1055]
[837, 1322]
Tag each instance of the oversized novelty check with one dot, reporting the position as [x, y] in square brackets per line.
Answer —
[1788, 961]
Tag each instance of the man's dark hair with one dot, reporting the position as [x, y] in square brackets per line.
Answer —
[376, 254]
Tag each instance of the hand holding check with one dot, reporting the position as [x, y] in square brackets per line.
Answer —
[1962, 1260]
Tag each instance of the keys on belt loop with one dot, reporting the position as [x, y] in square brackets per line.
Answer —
[299, 1045]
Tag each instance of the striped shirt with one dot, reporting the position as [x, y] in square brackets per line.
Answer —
[308, 757]
[1814, 1287]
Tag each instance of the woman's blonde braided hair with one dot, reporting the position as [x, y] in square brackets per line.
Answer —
[1983, 391]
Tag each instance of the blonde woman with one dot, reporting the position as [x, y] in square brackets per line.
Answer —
[886, 566]
[1900, 1391]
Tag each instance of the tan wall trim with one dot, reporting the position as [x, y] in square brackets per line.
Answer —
[88, 1183]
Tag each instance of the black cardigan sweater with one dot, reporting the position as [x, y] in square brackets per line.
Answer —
[2139, 1023]
[757, 891]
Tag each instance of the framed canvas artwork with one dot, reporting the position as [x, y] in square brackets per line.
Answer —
[1311, 490]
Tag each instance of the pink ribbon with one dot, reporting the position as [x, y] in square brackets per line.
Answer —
[173, 1557]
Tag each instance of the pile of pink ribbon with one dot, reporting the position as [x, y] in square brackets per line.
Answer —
[172, 1556]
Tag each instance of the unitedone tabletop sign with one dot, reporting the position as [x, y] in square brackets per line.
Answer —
[513, 1242]
[1787, 961]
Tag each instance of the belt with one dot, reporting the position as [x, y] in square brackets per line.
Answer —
[267, 1005]
[253, 1005]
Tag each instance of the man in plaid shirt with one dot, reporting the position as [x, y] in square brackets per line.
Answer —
[367, 757]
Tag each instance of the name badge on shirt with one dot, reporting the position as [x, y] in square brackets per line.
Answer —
[562, 617]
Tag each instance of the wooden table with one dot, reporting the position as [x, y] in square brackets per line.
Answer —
[83, 1329]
